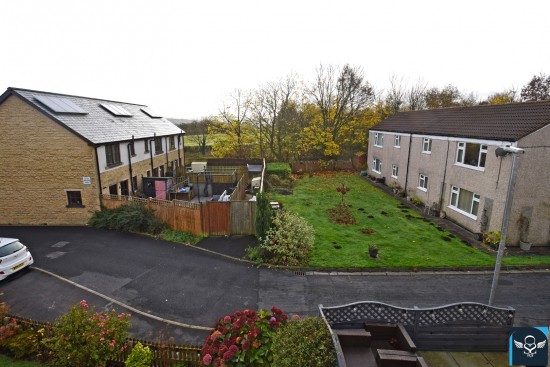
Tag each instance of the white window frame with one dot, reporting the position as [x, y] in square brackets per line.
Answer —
[427, 149]
[374, 164]
[394, 170]
[397, 141]
[423, 182]
[378, 140]
[461, 154]
[455, 192]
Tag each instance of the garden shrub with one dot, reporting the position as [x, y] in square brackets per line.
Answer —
[84, 337]
[264, 214]
[140, 356]
[280, 169]
[305, 343]
[243, 339]
[132, 217]
[289, 241]
[179, 236]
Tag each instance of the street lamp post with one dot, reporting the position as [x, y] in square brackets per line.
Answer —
[501, 152]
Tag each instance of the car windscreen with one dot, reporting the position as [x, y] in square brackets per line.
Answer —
[11, 248]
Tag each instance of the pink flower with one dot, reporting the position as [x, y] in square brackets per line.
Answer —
[101, 339]
[295, 317]
[111, 344]
[83, 304]
[207, 359]
[227, 319]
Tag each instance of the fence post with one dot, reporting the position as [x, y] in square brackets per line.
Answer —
[416, 321]
[174, 214]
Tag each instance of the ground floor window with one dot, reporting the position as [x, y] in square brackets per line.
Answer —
[74, 199]
[124, 189]
[423, 182]
[464, 201]
[113, 190]
[377, 165]
[394, 170]
[135, 183]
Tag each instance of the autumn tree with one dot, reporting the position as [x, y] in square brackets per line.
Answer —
[538, 89]
[233, 134]
[396, 95]
[449, 96]
[340, 95]
[507, 96]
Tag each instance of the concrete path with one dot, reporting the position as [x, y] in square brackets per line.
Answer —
[191, 286]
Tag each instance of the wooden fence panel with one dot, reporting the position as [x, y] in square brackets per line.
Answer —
[243, 214]
[216, 218]
[187, 218]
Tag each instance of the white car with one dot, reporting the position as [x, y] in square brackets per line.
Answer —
[14, 256]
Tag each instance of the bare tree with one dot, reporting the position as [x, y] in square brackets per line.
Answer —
[395, 98]
[416, 96]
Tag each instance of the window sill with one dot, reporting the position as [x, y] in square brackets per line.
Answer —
[75, 206]
[397, 146]
[426, 152]
[378, 146]
[475, 168]
[471, 216]
[112, 165]
[375, 171]
[392, 176]
[422, 189]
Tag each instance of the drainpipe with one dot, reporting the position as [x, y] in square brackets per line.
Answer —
[444, 177]
[167, 147]
[507, 207]
[179, 153]
[130, 165]
[408, 160]
[151, 152]
[98, 173]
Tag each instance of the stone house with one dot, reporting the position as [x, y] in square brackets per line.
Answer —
[446, 158]
[60, 152]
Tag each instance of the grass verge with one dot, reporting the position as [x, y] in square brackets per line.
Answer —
[404, 238]
[6, 361]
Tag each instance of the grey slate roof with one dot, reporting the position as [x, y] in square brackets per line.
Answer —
[506, 122]
[98, 125]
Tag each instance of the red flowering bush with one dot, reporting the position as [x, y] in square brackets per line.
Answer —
[243, 339]
[85, 338]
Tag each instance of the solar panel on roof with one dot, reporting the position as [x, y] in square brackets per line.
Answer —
[59, 104]
[150, 112]
[115, 109]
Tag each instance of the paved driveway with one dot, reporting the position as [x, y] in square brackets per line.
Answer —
[187, 285]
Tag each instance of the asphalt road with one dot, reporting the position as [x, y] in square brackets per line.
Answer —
[188, 285]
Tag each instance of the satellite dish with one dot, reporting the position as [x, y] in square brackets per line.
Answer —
[501, 152]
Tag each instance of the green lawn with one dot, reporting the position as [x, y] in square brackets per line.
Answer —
[8, 362]
[407, 242]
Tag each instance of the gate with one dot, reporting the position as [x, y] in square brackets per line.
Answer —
[216, 218]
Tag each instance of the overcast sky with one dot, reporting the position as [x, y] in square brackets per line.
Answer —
[183, 58]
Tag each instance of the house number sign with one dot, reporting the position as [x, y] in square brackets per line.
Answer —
[86, 180]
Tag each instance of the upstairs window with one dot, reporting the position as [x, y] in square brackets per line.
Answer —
[158, 146]
[397, 141]
[464, 201]
[427, 145]
[471, 154]
[378, 139]
[423, 182]
[377, 165]
[172, 143]
[146, 141]
[132, 149]
[112, 154]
